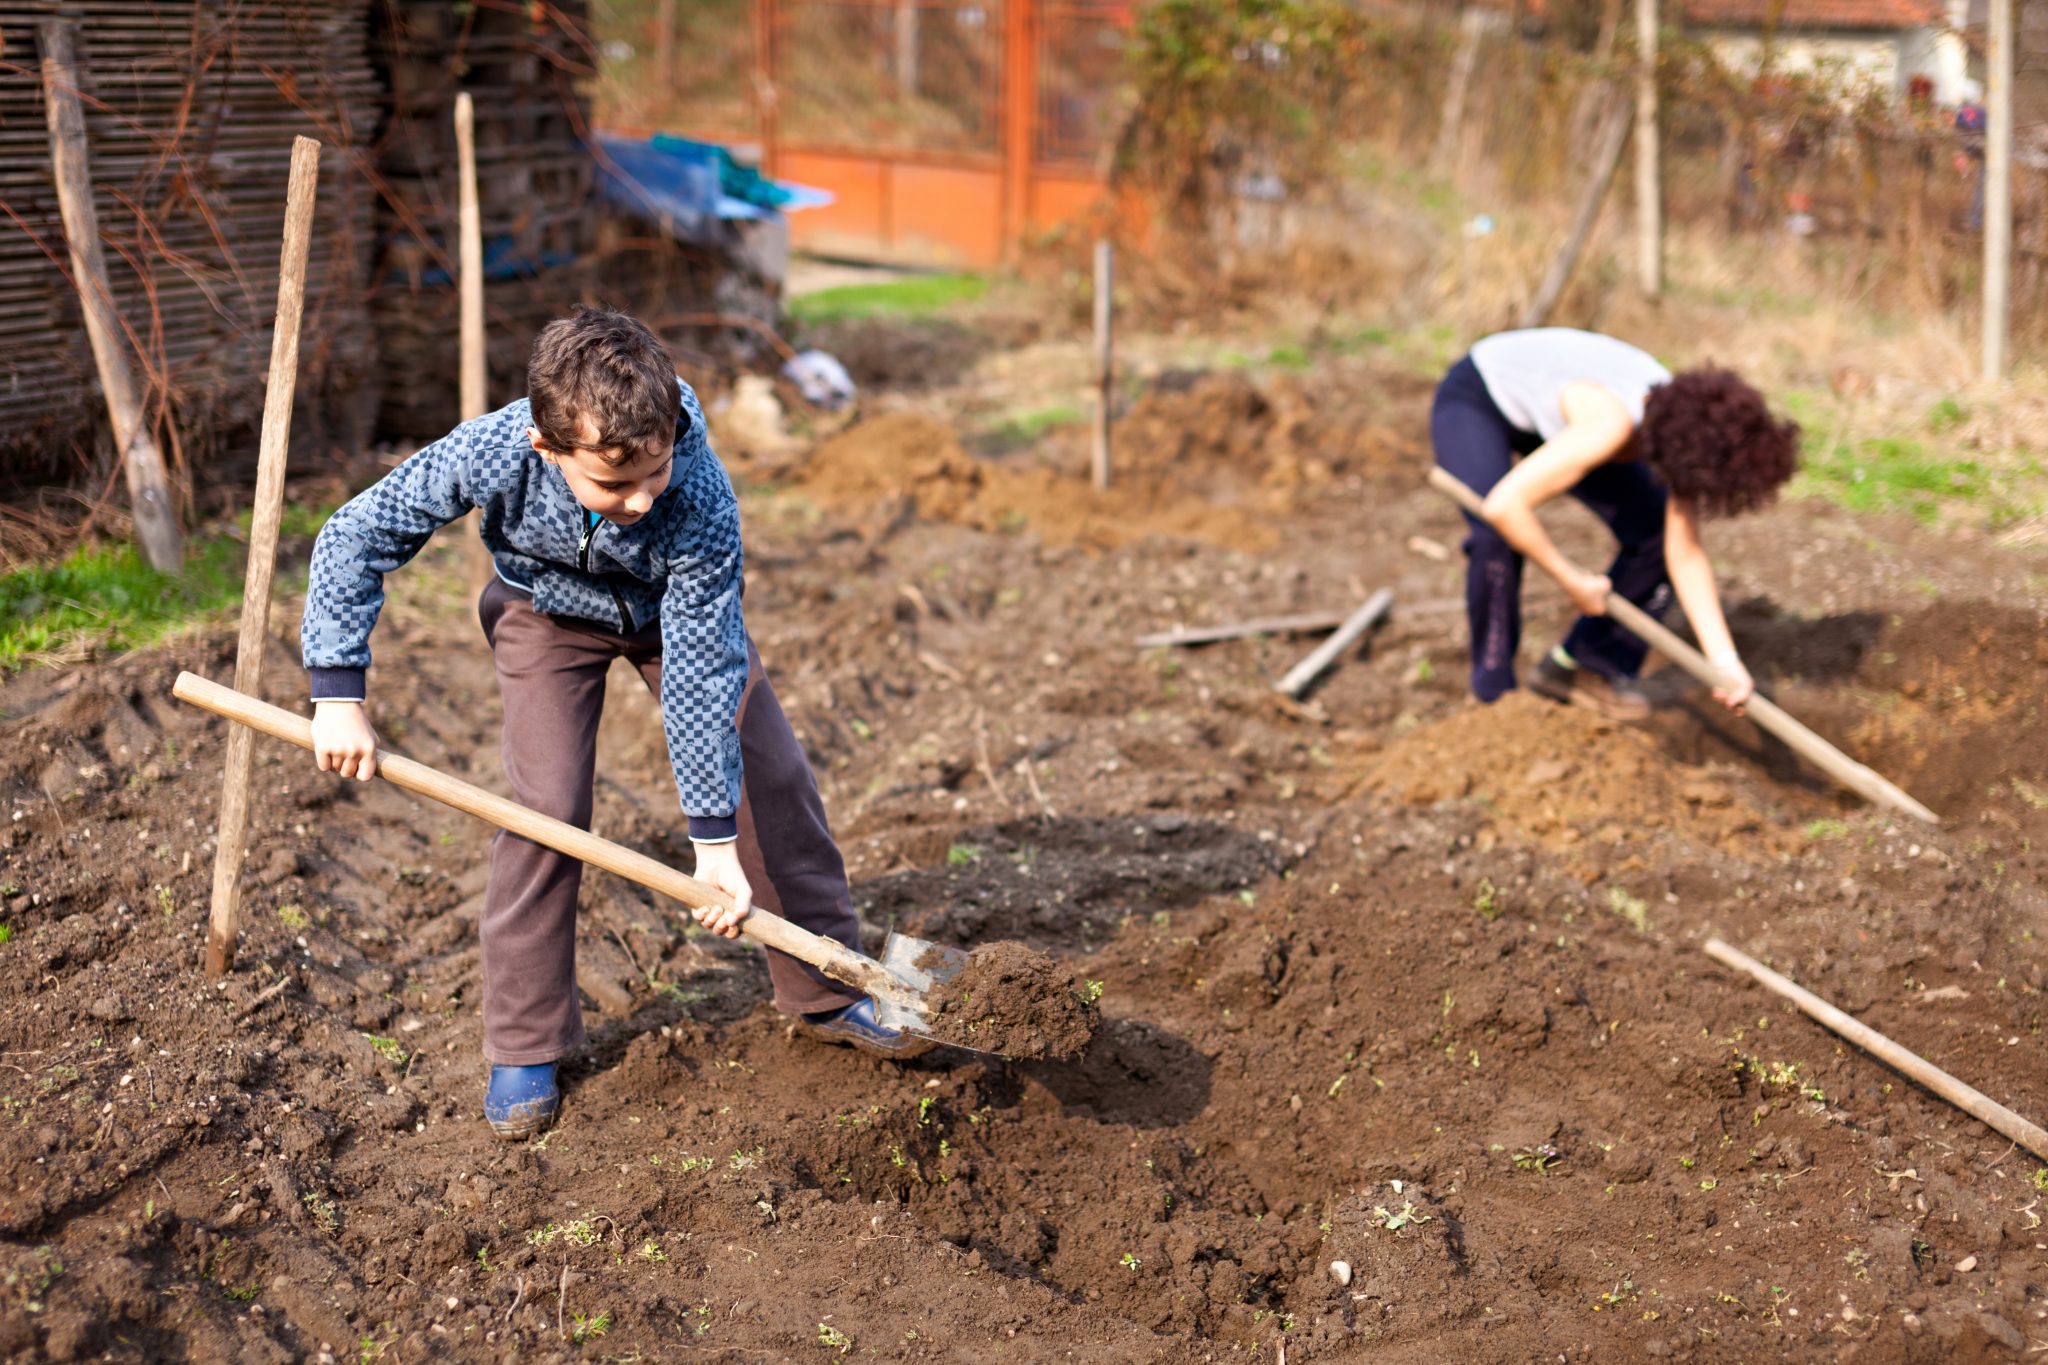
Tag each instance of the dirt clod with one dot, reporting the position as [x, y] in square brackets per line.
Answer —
[1013, 1000]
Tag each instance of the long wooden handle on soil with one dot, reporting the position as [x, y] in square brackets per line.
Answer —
[263, 526]
[1306, 623]
[770, 931]
[1355, 626]
[1972, 1102]
[149, 486]
[1871, 786]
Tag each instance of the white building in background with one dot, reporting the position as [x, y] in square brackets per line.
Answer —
[1884, 42]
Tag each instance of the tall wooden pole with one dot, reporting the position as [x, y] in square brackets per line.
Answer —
[149, 486]
[665, 51]
[475, 388]
[1998, 131]
[1105, 370]
[471, 259]
[1649, 176]
[225, 926]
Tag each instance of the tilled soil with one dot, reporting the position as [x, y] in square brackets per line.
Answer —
[1417, 989]
[1014, 1001]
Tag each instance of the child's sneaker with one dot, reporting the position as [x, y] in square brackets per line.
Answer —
[856, 1026]
[521, 1100]
[1583, 687]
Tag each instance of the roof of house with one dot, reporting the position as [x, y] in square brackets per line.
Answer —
[1815, 14]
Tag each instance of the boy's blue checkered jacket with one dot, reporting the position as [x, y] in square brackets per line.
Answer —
[680, 563]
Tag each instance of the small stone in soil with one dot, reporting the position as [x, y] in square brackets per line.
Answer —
[1013, 1000]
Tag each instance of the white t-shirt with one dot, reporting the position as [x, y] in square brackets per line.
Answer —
[1525, 371]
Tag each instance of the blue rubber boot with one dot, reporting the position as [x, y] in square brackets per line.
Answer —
[521, 1100]
[856, 1026]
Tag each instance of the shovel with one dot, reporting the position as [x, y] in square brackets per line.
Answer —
[898, 983]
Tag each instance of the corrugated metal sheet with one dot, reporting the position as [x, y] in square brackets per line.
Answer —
[190, 113]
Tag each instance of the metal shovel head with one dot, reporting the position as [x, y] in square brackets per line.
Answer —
[919, 964]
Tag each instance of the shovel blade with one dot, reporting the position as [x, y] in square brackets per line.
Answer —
[919, 964]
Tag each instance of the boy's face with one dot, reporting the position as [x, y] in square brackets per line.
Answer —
[619, 490]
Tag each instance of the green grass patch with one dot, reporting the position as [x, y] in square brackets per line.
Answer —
[912, 297]
[105, 597]
[1019, 429]
[1890, 473]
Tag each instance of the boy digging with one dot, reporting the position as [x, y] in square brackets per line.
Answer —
[615, 534]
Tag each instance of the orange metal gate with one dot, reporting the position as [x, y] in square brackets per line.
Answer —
[949, 130]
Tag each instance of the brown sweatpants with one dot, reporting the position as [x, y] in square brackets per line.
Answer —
[551, 671]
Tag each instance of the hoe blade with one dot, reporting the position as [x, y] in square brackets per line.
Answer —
[919, 964]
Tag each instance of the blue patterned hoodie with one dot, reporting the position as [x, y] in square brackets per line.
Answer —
[680, 564]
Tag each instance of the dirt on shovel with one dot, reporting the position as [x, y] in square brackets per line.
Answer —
[1014, 1000]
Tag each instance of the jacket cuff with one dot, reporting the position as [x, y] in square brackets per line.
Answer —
[714, 829]
[339, 684]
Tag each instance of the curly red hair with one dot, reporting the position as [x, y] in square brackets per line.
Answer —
[1715, 442]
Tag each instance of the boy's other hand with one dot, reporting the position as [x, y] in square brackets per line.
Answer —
[1589, 593]
[343, 741]
[719, 865]
[1736, 686]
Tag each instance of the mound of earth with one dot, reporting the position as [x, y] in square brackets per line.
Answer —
[1014, 1001]
[915, 463]
[1565, 779]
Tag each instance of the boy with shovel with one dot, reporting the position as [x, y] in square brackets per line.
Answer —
[615, 534]
[1535, 413]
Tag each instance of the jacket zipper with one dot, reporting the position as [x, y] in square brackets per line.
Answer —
[583, 564]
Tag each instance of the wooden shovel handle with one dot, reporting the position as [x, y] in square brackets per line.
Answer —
[1871, 786]
[834, 959]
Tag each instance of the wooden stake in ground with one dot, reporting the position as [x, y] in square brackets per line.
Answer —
[1105, 274]
[277, 428]
[1350, 633]
[470, 263]
[1998, 69]
[1972, 1102]
[1761, 709]
[1613, 137]
[1649, 174]
[149, 487]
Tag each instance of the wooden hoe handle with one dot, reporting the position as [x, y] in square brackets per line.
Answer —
[1966, 1098]
[1871, 786]
[834, 959]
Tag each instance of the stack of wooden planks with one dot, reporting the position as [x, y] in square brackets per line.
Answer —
[522, 65]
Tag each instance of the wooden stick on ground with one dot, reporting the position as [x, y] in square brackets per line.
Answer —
[263, 525]
[1972, 1102]
[1306, 624]
[1869, 785]
[1354, 628]
[149, 487]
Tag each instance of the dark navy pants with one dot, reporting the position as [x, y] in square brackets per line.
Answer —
[1478, 445]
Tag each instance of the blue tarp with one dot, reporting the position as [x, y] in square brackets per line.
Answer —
[688, 185]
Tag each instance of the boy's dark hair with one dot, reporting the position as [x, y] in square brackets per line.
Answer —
[1715, 443]
[605, 365]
